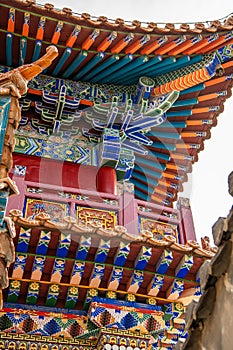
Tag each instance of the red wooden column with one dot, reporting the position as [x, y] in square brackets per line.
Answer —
[17, 201]
[128, 215]
[187, 223]
[106, 180]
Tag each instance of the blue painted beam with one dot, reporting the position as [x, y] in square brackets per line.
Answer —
[62, 61]
[37, 50]
[106, 74]
[182, 113]
[164, 135]
[166, 146]
[147, 69]
[181, 103]
[139, 71]
[180, 63]
[141, 186]
[147, 171]
[87, 67]
[151, 182]
[108, 62]
[171, 125]
[9, 39]
[127, 69]
[196, 88]
[74, 65]
[151, 163]
[139, 194]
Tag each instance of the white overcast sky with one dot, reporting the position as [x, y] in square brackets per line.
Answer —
[207, 187]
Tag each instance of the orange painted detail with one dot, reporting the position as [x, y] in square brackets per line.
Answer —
[55, 38]
[90, 39]
[172, 166]
[229, 42]
[227, 64]
[169, 175]
[25, 30]
[11, 25]
[215, 81]
[207, 97]
[189, 134]
[208, 48]
[157, 198]
[107, 42]
[86, 102]
[194, 122]
[40, 33]
[180, 48]
[200, 110]
[165, 48]
[122, 44]
[185, 82]
[137, 45]
[196, 47]
[150, 48]
[70, 42]
[182, 146]
[178, 156]
[35, 92]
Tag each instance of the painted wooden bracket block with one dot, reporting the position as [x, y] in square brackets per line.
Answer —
[38, 267]
[164, 262]
[135, 281]
[175, 290]
[33, 293]
[72, 297]
[97, 275]
[64, 245]
[102, 251]
[14, 291]
[115, 279]
[145, 255]
[184, 266]
[58, 269]
[84, 245]
[43, 243]
[77, 273]
[52, 296]
[155, 285]
[19, 266]
[122, 254]
[24, 238]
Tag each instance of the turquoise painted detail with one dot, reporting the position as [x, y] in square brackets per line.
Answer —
[9, 39]
[180, 63]
[195, 88]
[182, 113]
[108, 62]
[135, 63]
[62, 60]
[4, 110]
[147, 171]
[166, 146]
[165, 135]
[151, 163]
[96, 59]
[152, 182]
[37, 50]
[106, 75]
[74, 65]
[181, 103]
